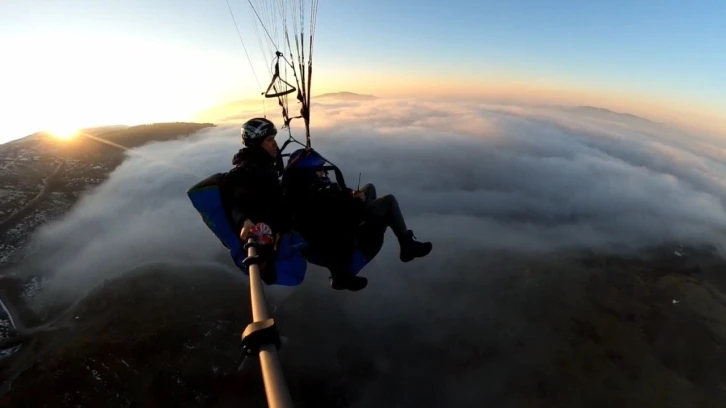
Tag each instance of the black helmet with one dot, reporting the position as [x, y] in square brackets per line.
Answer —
[255, 130]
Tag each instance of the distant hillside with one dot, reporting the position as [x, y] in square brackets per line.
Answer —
[41, 177]
[346, 96]
[92, 140]
[138, 135]
[608, 113]
[95, 131]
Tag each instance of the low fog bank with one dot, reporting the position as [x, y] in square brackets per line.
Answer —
[469, 177]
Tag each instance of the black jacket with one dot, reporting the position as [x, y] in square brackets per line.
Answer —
[253, 191]
[326, 216]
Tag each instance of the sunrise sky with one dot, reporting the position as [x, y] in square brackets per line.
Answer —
[79, 63]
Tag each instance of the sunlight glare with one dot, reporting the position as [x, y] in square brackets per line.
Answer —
[63, 133]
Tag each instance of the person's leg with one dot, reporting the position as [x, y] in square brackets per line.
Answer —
[341, 279]
[338, 250]
[370, 192]
[387, 210]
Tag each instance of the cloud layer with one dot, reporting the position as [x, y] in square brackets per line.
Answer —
[475, 179]
[467, 175]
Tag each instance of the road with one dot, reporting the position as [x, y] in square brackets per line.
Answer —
[10, 221]
[8, 337]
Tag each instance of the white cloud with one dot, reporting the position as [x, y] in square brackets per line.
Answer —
[477, 175]
[475, 179]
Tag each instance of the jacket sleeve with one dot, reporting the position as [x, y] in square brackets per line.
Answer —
[246, 200]
[257, 197]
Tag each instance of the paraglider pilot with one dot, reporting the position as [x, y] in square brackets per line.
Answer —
[248, 200]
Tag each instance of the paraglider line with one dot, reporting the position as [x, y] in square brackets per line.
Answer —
[264, 110]
[263, 26]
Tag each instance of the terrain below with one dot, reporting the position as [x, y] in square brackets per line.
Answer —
[570, 330]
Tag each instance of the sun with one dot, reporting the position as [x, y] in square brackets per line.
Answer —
[63, 133]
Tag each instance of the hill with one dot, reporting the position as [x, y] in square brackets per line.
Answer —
[622, 331]
[607, 113]
[107, 140]
[41, 176]
[38, 136]
[139, 135]
[346, 96]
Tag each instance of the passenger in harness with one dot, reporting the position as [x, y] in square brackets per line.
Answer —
[344, 228]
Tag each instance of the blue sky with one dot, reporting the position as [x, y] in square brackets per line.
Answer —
[657, 45]
[657, 49]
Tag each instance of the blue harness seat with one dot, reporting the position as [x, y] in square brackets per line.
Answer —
[209, 200]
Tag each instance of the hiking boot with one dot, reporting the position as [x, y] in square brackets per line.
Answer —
[411, 249]
[349, 282]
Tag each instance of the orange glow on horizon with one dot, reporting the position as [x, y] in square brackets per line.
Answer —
[495, 89]
[696, 115]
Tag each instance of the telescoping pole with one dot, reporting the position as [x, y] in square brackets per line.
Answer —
[261, 336]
